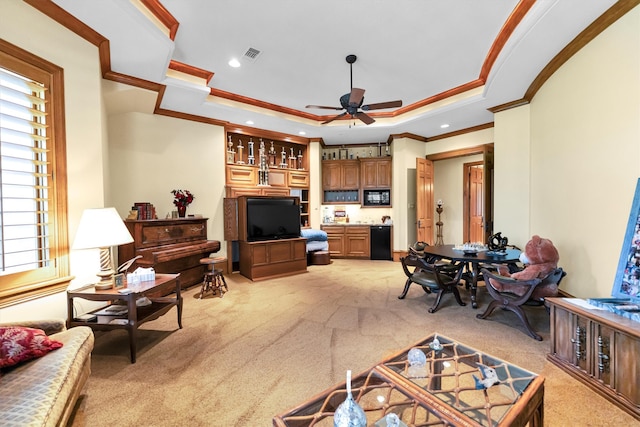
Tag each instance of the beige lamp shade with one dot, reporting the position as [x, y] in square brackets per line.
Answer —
[102, 228]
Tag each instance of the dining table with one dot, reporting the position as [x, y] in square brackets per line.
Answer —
[473, 261]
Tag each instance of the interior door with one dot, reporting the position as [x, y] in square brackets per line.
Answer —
[488, 192]
[424, 200]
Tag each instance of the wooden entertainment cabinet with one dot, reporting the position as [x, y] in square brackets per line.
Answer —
[266, 259]
[599, 348]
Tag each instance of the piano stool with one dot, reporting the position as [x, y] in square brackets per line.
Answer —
[213, 279]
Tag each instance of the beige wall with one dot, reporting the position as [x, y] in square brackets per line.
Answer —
[151, 155]
[585, 155]
[84, 128]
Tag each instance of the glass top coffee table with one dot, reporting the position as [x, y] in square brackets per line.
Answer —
[442, 392]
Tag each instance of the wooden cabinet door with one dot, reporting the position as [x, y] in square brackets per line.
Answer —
[331, 175]
[369, 173]
[625, 366]
[384, 173]
[357, 245]
[275, 191]
[336, 244]
[350, 175]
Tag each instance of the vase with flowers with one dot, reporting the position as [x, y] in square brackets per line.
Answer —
[182, 199]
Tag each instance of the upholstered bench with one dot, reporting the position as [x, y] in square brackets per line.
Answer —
[43, 391]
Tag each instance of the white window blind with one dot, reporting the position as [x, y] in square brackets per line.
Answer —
[25, 175]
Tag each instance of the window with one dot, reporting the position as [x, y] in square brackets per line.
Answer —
[33, 229]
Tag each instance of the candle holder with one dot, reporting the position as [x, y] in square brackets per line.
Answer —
[439, 239]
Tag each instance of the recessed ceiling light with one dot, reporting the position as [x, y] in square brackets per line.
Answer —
[302, 132]
[444, 126]
[249, 122]
[234, 63]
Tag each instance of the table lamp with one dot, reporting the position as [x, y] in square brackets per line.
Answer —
[102, 228]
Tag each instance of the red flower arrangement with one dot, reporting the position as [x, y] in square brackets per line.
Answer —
[182, 198]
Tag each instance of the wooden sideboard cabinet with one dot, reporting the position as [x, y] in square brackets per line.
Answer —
[599, 348]
[170, 246]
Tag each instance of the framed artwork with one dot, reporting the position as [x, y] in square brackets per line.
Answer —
[627, 282]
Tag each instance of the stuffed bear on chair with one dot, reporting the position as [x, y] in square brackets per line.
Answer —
[540, 257]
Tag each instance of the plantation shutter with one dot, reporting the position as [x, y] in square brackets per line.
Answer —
[25, 174]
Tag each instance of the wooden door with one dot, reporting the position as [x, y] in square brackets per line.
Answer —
[488, 191]
[476, 204]
[424, 200]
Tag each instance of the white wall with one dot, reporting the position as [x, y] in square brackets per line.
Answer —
[585, 155]
[151, 155]
[84, 129]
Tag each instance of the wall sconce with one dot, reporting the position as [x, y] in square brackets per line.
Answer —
[102, 228]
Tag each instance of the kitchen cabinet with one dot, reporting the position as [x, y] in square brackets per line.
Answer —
[340, 174]
[375, 173]
[599, 348]
[348, 241]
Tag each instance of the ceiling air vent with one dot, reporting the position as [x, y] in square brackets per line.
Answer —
[251, 54]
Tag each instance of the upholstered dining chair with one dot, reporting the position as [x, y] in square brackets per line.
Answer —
[434, 277]
[511, 294]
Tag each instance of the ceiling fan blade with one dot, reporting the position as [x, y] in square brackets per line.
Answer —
[334, 118]
[381, 105]
[324, 107]
[356, 97]
[365, 118]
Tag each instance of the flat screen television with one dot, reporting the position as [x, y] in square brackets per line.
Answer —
[272, 218]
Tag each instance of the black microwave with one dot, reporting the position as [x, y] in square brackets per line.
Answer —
[376, 197]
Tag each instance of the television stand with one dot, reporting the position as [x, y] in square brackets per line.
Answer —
[267, 259]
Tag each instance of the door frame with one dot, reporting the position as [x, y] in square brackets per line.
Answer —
[487, 155]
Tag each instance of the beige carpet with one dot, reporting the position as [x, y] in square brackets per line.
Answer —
[268, 346]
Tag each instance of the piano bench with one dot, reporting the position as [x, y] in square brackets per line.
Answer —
[214, 279]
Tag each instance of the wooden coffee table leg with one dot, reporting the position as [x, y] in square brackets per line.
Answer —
[132, 343]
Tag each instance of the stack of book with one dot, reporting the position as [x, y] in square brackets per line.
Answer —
[145, 210]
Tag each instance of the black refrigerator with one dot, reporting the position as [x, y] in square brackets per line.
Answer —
[380, 240]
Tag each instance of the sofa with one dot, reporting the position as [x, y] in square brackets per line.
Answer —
[43, 391]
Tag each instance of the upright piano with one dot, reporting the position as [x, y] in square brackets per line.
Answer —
[170, 246]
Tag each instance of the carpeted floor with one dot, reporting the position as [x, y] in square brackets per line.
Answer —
[268, 346]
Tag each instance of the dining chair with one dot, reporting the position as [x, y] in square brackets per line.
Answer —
[435, 277]
[512, 294]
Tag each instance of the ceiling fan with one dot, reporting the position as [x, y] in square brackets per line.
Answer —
[352, 102]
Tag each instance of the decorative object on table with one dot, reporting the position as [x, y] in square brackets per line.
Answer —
[497, 243]
[349, 413]
[144, 210]
[489, 377]
[435, 344]
[182, 199]
[102, 228]
[252, 159]
[390, 420]
[470, 248]
[240, 148]
[417, 363]
[231, 154]
[439, 239]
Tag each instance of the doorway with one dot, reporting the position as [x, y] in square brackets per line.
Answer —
[482, 189]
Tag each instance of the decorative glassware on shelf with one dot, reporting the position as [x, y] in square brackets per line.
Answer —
[349, 413]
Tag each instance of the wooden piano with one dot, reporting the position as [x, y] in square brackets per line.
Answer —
[170, 246]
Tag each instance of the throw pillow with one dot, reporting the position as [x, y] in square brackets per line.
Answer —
[19, 344]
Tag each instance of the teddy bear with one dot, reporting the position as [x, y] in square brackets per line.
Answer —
[540, 257]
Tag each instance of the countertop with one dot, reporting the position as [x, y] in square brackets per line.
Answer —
[347, 224]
